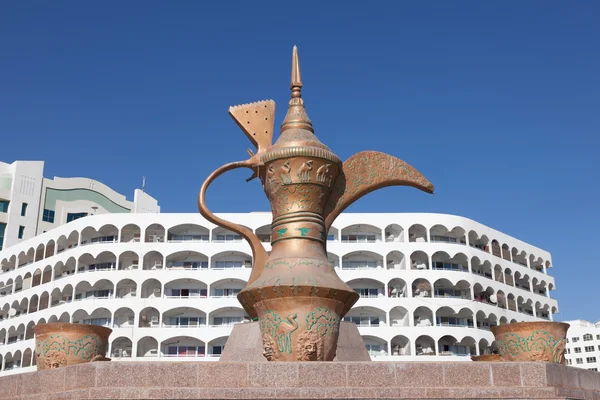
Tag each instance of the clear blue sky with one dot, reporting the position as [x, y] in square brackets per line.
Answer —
[495, 102]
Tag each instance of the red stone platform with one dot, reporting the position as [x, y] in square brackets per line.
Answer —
[346, 380]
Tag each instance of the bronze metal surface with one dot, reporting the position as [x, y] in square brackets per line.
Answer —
[294, 291]
[532, 341]
[60, 344]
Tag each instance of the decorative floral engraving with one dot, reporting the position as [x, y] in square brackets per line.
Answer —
[86, 347]
[540, 346]
[303, 231]
[320, 322]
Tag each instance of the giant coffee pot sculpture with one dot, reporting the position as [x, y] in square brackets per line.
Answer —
[294, 291]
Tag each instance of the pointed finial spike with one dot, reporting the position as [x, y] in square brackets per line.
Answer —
[296, 78]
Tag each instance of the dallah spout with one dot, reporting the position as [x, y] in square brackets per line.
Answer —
[365, 172]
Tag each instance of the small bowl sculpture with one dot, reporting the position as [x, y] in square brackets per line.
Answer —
[487, 357]
[63, 344]
[532, 341]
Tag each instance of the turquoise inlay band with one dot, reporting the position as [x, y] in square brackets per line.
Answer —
[53, 195]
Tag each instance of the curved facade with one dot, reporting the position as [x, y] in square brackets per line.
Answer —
[431, 285]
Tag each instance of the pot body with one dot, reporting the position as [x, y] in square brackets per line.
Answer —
[63, 344]
[299, 298]
[532, 341]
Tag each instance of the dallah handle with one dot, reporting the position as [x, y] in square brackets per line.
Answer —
[259, 254]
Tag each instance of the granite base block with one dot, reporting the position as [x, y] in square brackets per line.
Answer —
[304, 380]
[245, 344]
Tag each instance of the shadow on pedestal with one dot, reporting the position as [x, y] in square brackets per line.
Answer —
[245, 344]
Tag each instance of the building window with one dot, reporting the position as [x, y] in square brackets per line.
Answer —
[592, 369]
[575, 339]
[569, 362]
[23, 209]
[589, 349]
[4, 206]
[587, 337]
[568, 351]
[21, 231]
[577, 349]
[48, 216]
[579, 360]
[74, 216]
[597, 337]
[2, 229]
[590, 360]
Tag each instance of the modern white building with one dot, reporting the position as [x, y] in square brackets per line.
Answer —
[431, 285]
[583, 344]
[31, 204]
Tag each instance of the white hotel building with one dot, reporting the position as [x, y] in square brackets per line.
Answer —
[431, 285]
[583, 345]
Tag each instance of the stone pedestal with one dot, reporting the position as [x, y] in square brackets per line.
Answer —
[245, 344]
[304, 380]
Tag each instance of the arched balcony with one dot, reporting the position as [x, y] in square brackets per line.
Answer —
[421, 288]
[222, 235]
[128, 261]
[187, 260]
[105, 261]
[396, 260]
[400, 346]
[216, 346]
[151, 289]
[376, 346]
[444, 288]
[333, 259]
[484, 296]
[44, 301]
[417, 234]
[149, 318]
[506, 252]
[486, 322]
[397, 288]
[126, 288]
[227, 316]
[367, 288]
[424, 346]
[482, 269]
[155, 233]
[59, 297]
[333, 234]
[363, 233]
[103, 289]
[542, 310]
[100, 316]
[419, 260]
[227, 288]
[264, 233]
[481, 243]
[33, 303]
[422, 316]
[28, 359]
[441, 261]
[124, 318]
[26, 258]
[147, 347]
[63, 270]
[511, 302]
[449, 346]
[486, 348]
[16, 334]
[394, 233]
[186, 233]
[522, 281]
[446, 316]
[498, 273]
[185, 288]
[231, 260]
[441, 234]
[39, 252]
[536, 263]
[399, 316]
[525, 306]
[131, 233]
[12, 361]
[519, 257]
[50, 248]
[36, 278]
[183, 346]
[121, 347]
[359, 260]
[184, 317]
[64, 317]
[539, 287]
[499, 298]
[153, 260]
[496, 249]
[106, 234]
[63, 243]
